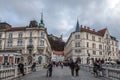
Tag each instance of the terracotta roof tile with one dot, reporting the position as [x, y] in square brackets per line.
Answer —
[58, 52]
[102, 32]
[17, 29]
[84, 29]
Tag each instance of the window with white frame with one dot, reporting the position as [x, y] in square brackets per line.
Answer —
[42, 35]
[30, 34]
[94, 52]
[19, 43]
[10, 35]
[41, 43]
[30, 42]
[20, 35]
[100, 46]
[77, 36]
[87, 44]
[10, 43]
[0, 43]
[0, 35]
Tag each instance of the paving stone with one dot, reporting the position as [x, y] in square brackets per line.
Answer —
[58, 74]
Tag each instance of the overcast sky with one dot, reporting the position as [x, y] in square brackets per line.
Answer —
[60, 16]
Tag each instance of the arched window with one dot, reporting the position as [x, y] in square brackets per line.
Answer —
[42, 35]
[30, 42]
[41, 43]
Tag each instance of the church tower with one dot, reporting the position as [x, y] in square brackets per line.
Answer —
[77, 27]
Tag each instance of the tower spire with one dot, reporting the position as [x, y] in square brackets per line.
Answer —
[41, 24]
[77, 26]
[41, 18]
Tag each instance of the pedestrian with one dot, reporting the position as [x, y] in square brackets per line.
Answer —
[77, 68]
[33, 66]
[21, 68]
[61, 64]
[50, 66]
[71, 64]
[100, 69]
[95, 68]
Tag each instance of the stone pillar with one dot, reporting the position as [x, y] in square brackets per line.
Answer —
[16, 71]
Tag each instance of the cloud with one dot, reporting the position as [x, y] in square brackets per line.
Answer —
[60, 16]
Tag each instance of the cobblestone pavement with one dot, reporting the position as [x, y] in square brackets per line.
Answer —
[58, 74]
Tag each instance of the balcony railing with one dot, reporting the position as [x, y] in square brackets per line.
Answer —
[30, 46]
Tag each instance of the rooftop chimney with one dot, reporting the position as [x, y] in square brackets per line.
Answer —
[88, 27]
[94, 30]
[81, 26]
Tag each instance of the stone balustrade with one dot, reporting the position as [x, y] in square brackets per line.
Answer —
[12, 72]
[108, 72]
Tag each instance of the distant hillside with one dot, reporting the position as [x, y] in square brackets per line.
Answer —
[56, 44]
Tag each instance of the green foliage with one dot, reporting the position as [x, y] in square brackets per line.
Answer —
[57, 45]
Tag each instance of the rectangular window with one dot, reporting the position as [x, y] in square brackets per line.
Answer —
[100, 46]
[77, 50]
[41, 43]
[87, 44]
[20, 43]
[0, 43]
[100, 53]
[10, 35]
[42, 35]
[0, 35]
[93, 45]
[20, 35]
[77, 36]
[94, 52]
[30, 34]
[99, 39]
[93, 38]
[30, 42]
[10, 43]
[87, 36]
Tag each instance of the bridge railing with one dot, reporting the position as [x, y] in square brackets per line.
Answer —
[107, 72]
[13, 72]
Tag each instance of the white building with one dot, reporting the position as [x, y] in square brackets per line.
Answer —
[31, 41]
[91, 45]
[58, 56]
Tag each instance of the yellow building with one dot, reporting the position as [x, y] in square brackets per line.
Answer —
[31, 41]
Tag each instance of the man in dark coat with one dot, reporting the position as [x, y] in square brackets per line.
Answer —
[21, 68]
[72, 67]
[50, 69]
[77, 68]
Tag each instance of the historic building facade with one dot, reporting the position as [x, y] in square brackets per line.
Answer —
[31, 41]
[91, 45]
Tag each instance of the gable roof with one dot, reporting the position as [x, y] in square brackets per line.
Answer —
[102, 31]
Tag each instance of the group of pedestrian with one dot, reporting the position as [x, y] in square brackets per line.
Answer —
[97, 68]
[74, 68]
